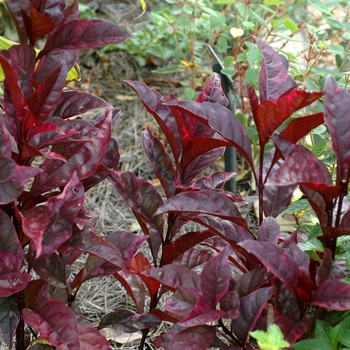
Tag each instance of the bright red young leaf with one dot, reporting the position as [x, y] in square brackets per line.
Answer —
[213, 92]
[9, 317]
[332, 294]
[336, 116]
[251, 307]
[55, 321]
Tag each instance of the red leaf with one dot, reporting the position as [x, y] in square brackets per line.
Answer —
[173, 276]
[181, 303]
[194, 338]
[55, 321]
[292, 330]
[332, 294]
[230, 304]
[213, 92]
[91, 339]
[193, 257]
[269, 230]
[39, 25]
[336, 116]
[84, 34]
[251, 307]
[13, 178]
[275, 260]
[274, 81]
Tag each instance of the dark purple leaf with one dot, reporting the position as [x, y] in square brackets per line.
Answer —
[45, 98]
[52, 269]
[90, 338]
[332, 294]
[252, 280]
[81, 155]
[216, 180]
[221, 120]
[300, 127]
[213, 92]
[9, 318]
[204, 202]
[160, 160]
[336, 112]
[194, 338]
[155, 104]
[37, 25]
[50, 225]
[73, 103]
[52, 9]
[274, 81]
[192, 258]
[84, 34]
[173, 249]
[5, 142]
[274, 259]
[13, 178]
[230, 304]
[181, 303]
[17, 8]
[292, 330]
[173, 276]
[251, 307]
[269, 230]
[128, 321]
[215, 278]
[55, 321]
[287, 302]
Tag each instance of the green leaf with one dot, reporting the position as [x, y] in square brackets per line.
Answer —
[229, 60]
[248, 24]
[298, 206]
[252, 76]
[259, 19]
[319, 5]
[273, 339]
[222, 45]
[228, 71]
[337, 49]
[291, 25]
[218, 21]
[172, 68]
[225, 2]
[334, 23]
[312, 344]
[312, 244]
[254, 57]
[273, 2]
[320, 129]
[190, 94]
[319, 148]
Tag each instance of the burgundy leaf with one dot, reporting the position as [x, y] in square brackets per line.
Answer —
[9, 318]
[274, 259]
[230, 304]
[5, 142]
[52, 9]
[86, 240]
[269, 230]
[192, 258]
[38, 25]
[173, 249]
[287, 302]
[274, 81]
[300, 127]
[13, 178]
[160, 160]
[251, 307]
[173, 276]
[181, 303]
[90, 338]
[299, 169]
[213, 92]
[221, 120]
[84, 34]
[50, 225]
[55, 321]
[194, 338]
[216, 180]
[81, 156]
[128, 321]
[252, 280]
[204, 202]
[163, 114]
[73, 103]
[271, 114]
[215, 278]
[332, 294]
[17, 8]
[336, 116]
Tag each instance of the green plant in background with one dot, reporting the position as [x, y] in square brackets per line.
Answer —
[273, 339]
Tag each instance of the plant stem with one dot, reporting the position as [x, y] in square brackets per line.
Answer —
[20, 328]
